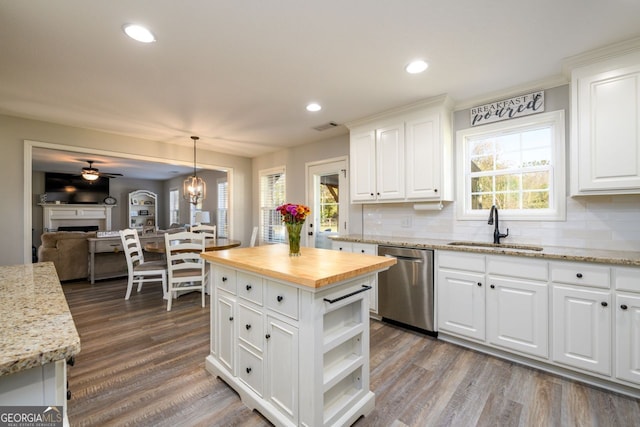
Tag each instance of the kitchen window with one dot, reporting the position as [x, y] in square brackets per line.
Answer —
[272, 195]
[517, 165]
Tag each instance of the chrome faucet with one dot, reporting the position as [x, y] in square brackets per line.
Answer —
[493, 213]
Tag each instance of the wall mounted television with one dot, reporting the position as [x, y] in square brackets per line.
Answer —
[68, 188]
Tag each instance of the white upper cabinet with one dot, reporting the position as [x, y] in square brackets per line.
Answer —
[605, 129]
[403, 155]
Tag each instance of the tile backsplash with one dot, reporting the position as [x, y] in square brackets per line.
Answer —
[596, 222]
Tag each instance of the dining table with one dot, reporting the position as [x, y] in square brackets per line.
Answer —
[217, 244]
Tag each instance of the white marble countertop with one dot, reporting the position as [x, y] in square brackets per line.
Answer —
[36, 326]
[549, 252]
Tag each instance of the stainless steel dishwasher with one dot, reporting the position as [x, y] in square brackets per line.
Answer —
[405, 291]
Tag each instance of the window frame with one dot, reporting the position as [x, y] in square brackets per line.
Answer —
[265, 235]
[557, 186]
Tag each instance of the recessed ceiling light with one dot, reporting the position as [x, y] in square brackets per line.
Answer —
[139, 33]
[314, 107]
[416, 67]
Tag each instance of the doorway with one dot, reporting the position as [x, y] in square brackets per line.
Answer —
[328, 199]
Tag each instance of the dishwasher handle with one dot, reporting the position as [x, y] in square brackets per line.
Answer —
[406, 258]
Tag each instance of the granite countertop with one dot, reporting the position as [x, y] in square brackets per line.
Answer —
[37, 327]
[548, 252]
[315, 268]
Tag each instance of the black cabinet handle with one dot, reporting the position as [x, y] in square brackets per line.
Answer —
[435, 190]
[248, 370]
[362, 250]
[248, 287]
[479, 284]
[224, 279]
[68, 394]
[492, 286]
[279, 298]
[248, 326]
[624, 306]
[604, 303]
[231, 319]
[267, 336]
[579, 275]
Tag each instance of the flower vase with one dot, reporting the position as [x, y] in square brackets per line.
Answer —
[293, 230]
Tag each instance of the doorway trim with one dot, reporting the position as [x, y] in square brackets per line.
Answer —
[29, 145]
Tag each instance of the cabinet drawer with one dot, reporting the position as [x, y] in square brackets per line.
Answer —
[250, 369]
[627, 279]
[365, 248]
[108, 246]
[461, 261]
[249, 287]
[580, 274]
[225, 278]
[342, 246]
[282, 299]
[250, 327]
[518, 267]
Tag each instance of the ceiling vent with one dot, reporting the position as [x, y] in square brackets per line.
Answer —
[326, 126]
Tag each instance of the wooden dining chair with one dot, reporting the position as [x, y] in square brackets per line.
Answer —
[186, 270]
[140, 271]
[209, 230]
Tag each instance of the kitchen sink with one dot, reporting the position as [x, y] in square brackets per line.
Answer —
[497, 246]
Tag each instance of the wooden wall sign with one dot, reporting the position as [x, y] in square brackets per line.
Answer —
[518, 106]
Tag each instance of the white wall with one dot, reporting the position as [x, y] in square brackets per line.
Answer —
[15, 227]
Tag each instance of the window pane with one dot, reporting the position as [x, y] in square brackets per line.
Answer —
[481, 201]
[535, 180]
[482, 164]
[481, 183]
[510, 200]
[508, 182]
[535, 200]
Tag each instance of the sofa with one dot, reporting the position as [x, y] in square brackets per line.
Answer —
[69, 252]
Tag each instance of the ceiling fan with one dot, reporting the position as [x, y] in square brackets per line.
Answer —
[91, 174]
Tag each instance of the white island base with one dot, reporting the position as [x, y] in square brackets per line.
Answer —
[297, 353]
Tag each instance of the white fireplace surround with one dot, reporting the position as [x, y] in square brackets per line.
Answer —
[60, 215]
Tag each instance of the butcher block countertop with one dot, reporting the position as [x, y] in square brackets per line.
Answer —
[36, 327]
[314, 268]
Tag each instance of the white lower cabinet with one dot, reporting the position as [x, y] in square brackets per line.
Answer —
[582, 328]
[461, 305]
[301, 357]
[558, 315]
[518, 315]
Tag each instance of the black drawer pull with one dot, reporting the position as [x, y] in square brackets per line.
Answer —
[248, 370]
[231, 319]
[224, 279]
[279, 298]
[364, 288]
[248, 287]
[479, 284]
[492, 286]
[248, 326]
[579, 275]
[267, 336]
[624, 306]
[604, 303]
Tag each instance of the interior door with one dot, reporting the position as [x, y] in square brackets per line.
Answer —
[328, 199]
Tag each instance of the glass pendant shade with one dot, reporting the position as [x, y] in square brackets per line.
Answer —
[194, 188]
[90, 176]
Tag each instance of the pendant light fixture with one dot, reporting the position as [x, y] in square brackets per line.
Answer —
[194, 188]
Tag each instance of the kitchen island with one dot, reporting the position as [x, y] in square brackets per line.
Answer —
[37, 337]
[291, 334]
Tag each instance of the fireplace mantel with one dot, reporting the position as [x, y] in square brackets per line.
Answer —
[57, 215]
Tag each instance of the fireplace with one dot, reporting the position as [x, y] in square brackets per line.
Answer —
[76, 217]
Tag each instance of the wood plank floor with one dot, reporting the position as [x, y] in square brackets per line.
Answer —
[143, 366]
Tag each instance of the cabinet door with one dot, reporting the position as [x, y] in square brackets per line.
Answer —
[582, 328]
[282, 367]
[369, 249]
[390, 168]
[225, 328]
[363, 166]
[461, 306]
[606, 127]
[517, 315]
[423, 158]
[628, 338]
